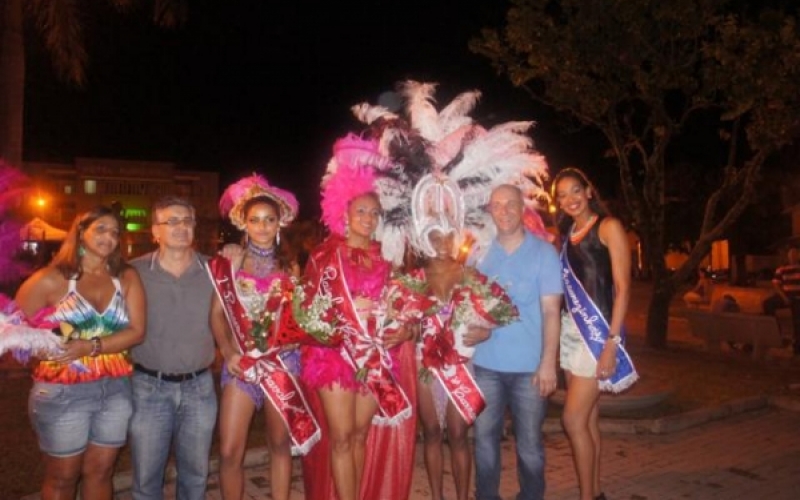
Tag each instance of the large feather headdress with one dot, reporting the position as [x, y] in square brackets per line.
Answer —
[405, 160]
[449, 190]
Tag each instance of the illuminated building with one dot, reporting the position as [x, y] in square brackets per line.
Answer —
[63, 190]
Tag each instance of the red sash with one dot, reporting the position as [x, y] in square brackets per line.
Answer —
[362, 345]
[440, 356]
[266, 369]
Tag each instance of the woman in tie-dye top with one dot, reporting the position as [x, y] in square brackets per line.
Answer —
[80, 403]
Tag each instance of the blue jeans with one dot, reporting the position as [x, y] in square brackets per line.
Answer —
[528, 409]
[180, 413]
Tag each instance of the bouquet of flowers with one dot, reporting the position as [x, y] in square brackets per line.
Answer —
[284, 319]
[438, 348]
[315, 314]
[480, 302]
[406, 301]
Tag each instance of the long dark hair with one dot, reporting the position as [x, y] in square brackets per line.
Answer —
[69, 261]
[284, 255]
[563, 221]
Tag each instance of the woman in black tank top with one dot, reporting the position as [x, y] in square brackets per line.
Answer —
[598, 253]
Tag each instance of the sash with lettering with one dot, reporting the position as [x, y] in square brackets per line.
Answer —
[594, 329]
[440, 356]
[266, 369]
[362, 341]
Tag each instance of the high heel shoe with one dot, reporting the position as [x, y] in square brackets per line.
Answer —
[601, 496]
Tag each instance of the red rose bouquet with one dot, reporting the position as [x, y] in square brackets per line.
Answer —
[406, 301]
[480, 302]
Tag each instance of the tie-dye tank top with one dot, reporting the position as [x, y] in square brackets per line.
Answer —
[87, 322]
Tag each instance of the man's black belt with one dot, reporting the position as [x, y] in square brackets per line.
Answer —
[169, 377]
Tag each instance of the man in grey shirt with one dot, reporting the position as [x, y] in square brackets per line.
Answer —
[174, 399]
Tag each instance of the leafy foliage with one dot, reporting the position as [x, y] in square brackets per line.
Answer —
[640, 71]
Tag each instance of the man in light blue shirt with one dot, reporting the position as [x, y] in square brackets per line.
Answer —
[516, 366]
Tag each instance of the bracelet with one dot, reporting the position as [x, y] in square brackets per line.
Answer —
[615, 339]
[97, 347]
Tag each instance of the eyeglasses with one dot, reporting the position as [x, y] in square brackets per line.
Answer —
[175, 222]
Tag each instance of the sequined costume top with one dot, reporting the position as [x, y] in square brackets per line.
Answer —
[87, 322]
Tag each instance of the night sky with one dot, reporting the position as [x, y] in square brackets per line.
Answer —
[265, 85]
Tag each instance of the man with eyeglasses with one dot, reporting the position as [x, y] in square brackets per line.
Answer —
[174, 399]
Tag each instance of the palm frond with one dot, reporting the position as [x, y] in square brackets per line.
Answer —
[59, 24]
[170, 13]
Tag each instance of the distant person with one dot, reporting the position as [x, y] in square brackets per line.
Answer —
[80, 403]
[725, 304]
[728, 304]
[787, 294]
[701, 293]
[174, 400]
[595, 268]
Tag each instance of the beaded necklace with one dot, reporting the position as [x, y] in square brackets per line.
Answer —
[576, 236]
[262, 259]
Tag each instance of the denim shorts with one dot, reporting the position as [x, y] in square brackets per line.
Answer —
[67, 417]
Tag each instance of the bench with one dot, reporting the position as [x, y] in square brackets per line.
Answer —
[748, 298]
[761, 331]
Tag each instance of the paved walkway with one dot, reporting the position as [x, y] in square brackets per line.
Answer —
[754, 455]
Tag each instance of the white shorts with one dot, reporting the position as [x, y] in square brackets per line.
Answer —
[575, 356]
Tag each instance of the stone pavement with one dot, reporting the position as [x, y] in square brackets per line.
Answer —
[752, 455]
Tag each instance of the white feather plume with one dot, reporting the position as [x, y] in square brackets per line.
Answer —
[421, 109]
[367, 113]
[456, 114]
[24, 341]
[497, 154]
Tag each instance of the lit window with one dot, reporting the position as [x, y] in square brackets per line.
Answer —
[90, 186]
[68, 189]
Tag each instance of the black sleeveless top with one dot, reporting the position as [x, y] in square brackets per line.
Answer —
[591, 263]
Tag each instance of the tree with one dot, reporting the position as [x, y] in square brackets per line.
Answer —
[58, 24]
[640, 71]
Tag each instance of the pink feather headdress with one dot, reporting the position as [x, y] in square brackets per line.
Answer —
[350, 173]
[237, 194]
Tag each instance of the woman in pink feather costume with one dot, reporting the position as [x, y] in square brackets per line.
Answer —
[356, 459]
